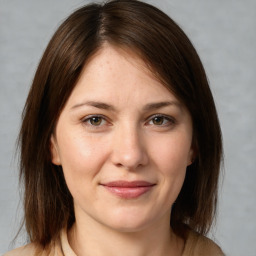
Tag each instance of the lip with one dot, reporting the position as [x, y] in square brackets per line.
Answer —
[128, 189]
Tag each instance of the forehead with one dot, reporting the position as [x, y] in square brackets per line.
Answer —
[117, 72]
[116, 54]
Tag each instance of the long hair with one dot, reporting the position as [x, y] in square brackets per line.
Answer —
[169, 54]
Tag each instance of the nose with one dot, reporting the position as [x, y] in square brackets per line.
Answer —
[129, 149]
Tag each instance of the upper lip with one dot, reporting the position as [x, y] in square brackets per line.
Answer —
[128, 184]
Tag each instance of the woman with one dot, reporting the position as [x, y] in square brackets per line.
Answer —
[120, 140]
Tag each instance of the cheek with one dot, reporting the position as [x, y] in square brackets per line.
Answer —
[81, 158]
[171, 153]
[172, 162]
[74, 153]
[77, 149]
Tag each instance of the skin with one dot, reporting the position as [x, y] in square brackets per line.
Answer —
[108, 131]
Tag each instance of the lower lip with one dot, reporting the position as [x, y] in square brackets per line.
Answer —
[128, 192]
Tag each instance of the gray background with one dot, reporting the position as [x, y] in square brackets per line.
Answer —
[223, 31]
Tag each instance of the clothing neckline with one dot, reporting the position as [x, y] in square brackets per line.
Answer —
[68, 251]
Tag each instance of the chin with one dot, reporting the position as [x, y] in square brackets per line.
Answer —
[129, 223]
[129, 227]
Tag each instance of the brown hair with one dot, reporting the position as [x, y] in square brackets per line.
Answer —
[48, 204]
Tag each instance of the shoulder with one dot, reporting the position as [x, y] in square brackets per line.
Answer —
[27, 250]
[32, 249]
[198, 245]
[54, 248]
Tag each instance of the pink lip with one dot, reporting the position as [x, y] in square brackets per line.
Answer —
[128, 189]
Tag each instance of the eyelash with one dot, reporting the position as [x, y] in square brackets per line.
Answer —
[167, 121]
[88, 120]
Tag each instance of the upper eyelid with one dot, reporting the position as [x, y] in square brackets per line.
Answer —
[162, 115]
[85, 121]
[94, 115]
[169, 121]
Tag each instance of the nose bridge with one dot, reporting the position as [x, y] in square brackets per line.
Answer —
[129, 150]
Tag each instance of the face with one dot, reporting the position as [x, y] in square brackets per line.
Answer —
[124, 142]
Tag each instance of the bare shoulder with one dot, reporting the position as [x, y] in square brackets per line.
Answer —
[199, 245]
[27, 250]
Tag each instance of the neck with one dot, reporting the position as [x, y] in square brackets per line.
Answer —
[92, 238]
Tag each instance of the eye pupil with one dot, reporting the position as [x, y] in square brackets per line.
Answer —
[158, 120]
[96, 120]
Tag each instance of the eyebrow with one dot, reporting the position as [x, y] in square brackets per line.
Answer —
[147, 107]
[157, 105]
[96, 104]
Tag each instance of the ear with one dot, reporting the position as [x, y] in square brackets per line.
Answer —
[191, 156]
[54, 151]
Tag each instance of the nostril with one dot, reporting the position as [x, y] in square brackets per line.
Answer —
[129, 152]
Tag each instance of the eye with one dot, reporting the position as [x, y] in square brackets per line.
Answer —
[161, 120]
[94, 121]
[158, 120]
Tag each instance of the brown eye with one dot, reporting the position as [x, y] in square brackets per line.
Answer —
[158, 120]
[161, 120]
[95, 121]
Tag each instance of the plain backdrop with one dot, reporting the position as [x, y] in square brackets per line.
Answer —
[223, 32]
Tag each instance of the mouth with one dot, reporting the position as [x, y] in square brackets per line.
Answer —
[128, 189]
